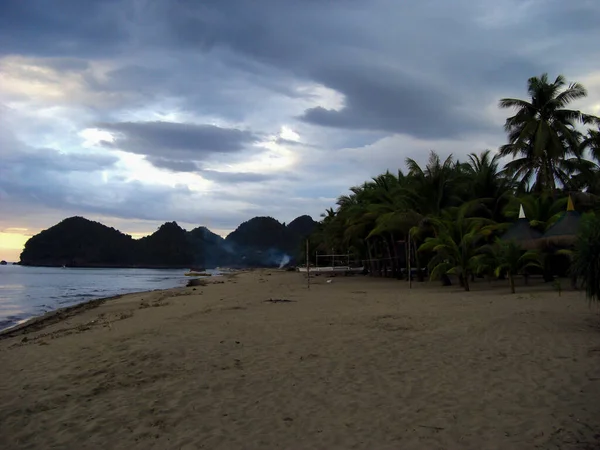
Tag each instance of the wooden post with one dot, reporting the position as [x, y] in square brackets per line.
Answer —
[408, 264]
[307, 267]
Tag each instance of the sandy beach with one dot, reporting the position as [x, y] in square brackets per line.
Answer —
[357, 363]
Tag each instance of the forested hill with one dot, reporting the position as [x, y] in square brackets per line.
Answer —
[265, 241]
[79, 242]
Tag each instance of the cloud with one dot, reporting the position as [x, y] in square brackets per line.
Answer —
[69, 28]
[174, 145]
[79, 185]
[386, 101]
[236, 177]
[414, 69]
[172, 165]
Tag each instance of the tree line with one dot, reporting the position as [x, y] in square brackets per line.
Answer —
[448, 216]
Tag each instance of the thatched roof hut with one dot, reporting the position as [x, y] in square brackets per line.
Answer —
[523, 233]
[563, 232]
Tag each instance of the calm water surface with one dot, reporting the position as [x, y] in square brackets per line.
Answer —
[30, 291]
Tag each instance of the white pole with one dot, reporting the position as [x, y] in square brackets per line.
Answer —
[408, 263]
[307, 266]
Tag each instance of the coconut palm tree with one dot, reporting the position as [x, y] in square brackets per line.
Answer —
[542, 134]
[587, 173]
[506, 259]
[456, 243]
[542, 210]
[486, 182]
[437, 185]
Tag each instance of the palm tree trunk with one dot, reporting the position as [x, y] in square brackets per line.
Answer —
[389, 253]
[511, 280]
[406, 257]
[378, 256]
[384, 260]
[552, 179]
[370, 255]
[396, 260]
[466, 282]
[420, 274]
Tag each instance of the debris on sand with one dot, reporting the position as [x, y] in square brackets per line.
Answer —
[279, 300]
[196, 282]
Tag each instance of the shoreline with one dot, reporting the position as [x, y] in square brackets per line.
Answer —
[36, 323]
[107, 266]
[149, 267]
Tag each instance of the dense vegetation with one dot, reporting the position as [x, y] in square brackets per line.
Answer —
[78, 242]
[263, 241]
[450, 215]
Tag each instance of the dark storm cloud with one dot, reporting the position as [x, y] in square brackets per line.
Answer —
[172, 165]
[382, 100]
[403, 67]
[64, 28]
[236, 177]
[313, 38]
[176, 141]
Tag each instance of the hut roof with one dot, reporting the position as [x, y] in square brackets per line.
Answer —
[567, 225]
[521, 231]
[564, 230]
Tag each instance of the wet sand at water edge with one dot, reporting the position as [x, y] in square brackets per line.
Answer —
[358, 363]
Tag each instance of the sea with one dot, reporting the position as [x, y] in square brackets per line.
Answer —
[26, 292]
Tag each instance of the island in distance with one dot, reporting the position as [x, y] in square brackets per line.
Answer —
[79, 242]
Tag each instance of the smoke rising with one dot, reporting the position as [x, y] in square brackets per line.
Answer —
[284, 260]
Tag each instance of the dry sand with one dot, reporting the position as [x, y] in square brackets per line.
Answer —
[355, 364]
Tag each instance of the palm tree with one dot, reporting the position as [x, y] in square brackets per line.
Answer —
[592, 142]
[588, 171]
[436, 186]
[488, 183]
[456, 244]
[542, 133]
[542, 210]
[506, 258]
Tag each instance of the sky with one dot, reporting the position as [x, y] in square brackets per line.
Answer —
[138, 112]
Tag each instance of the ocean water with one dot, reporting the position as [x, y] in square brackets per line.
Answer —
[26, 292]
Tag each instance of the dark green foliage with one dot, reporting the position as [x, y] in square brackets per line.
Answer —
[543, 139]
[455, 244]
[262, 233]
[506, 258]
[264, 241]
[77, 241]
[168, 246]
[208, 248]
[586, 256]
[302, 226]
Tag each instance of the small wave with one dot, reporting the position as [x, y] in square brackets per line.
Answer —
[11, 321]
[76, 296]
